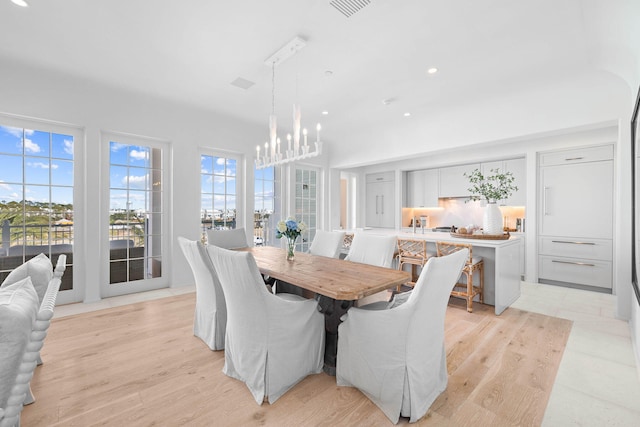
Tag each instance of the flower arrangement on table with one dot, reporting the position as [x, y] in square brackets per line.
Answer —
[290, 229]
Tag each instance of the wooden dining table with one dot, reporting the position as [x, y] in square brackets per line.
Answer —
[336, 283]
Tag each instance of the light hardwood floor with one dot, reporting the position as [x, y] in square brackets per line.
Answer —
[140, 365]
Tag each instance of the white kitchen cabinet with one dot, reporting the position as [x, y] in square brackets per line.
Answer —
[575, 211]
[518, 168]
[380, 199]
[422, 189]
[453, 182]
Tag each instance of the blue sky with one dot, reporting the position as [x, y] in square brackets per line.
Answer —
[217, 183]
[47, 171]
[130, 181]
[48, 160]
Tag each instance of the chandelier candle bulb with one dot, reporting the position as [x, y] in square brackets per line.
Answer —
[318, 132]
[304, 132]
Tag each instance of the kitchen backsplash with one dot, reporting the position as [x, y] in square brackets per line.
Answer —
[456, 212]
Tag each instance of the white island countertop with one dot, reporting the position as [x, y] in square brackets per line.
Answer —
[501, 261]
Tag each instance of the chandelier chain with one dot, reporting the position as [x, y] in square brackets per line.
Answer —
[273, 87]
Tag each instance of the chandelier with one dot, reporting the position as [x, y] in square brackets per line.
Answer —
[274, 154]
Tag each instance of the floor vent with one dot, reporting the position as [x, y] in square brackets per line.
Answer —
[349, 7]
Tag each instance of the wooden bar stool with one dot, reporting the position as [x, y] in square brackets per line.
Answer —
[465, 290]
[414, 253]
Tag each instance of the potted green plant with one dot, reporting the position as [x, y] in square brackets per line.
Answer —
[492, 188]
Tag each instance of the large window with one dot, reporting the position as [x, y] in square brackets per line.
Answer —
[136, 213]
[306, 194]
[266, 207]
[36, 197]
[218, 192]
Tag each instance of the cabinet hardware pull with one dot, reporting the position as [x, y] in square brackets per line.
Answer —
[382, 205]
[377, 205]
[573, 158]
[574, 263]
[544, 201]
[573, 243]
[379, 179]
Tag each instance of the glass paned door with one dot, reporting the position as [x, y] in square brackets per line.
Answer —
[137, 215]
[266, 207]
[36, 196]
[306, 196]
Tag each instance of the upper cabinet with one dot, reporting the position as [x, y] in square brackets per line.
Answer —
[422, 189]
[453, 183]
[518, 168]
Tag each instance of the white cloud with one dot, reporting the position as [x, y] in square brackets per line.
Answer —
[31, 146]
[135, 181]
[68, 146]
[5, 186]
[42, 165]
[116, 146]
[139, 155]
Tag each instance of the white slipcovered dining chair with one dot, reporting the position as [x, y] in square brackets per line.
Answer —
[373, 249]
[210, 317]
[327, 243]
[272, 341]
[234, 238]
[396, 355]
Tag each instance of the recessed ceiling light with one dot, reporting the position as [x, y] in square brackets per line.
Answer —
[432, 70]
[407, 114]
[21, 3]
[325, 113]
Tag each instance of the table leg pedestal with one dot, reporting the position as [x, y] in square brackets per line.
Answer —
[332, 310]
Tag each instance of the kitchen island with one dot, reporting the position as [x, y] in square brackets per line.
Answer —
[501, 262]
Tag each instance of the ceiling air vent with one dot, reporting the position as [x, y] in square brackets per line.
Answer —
[349, 7]
[242, 83]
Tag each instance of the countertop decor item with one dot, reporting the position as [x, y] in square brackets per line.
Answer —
[491, 188]
[290, 229]
[504, 236]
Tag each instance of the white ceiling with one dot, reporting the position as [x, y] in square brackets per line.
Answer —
[190, 51]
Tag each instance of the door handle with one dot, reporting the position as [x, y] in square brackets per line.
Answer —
[544, 201]
[584, 264]
[574, 243]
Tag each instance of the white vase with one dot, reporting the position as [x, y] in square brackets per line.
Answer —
[492, 219]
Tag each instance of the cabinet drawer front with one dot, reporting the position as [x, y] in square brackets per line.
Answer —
[571, 270]
[580, 155]
[380, 177]
[570, 247]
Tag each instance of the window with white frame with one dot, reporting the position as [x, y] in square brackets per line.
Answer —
[266, 206]
[36, 195]
[218, 192]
